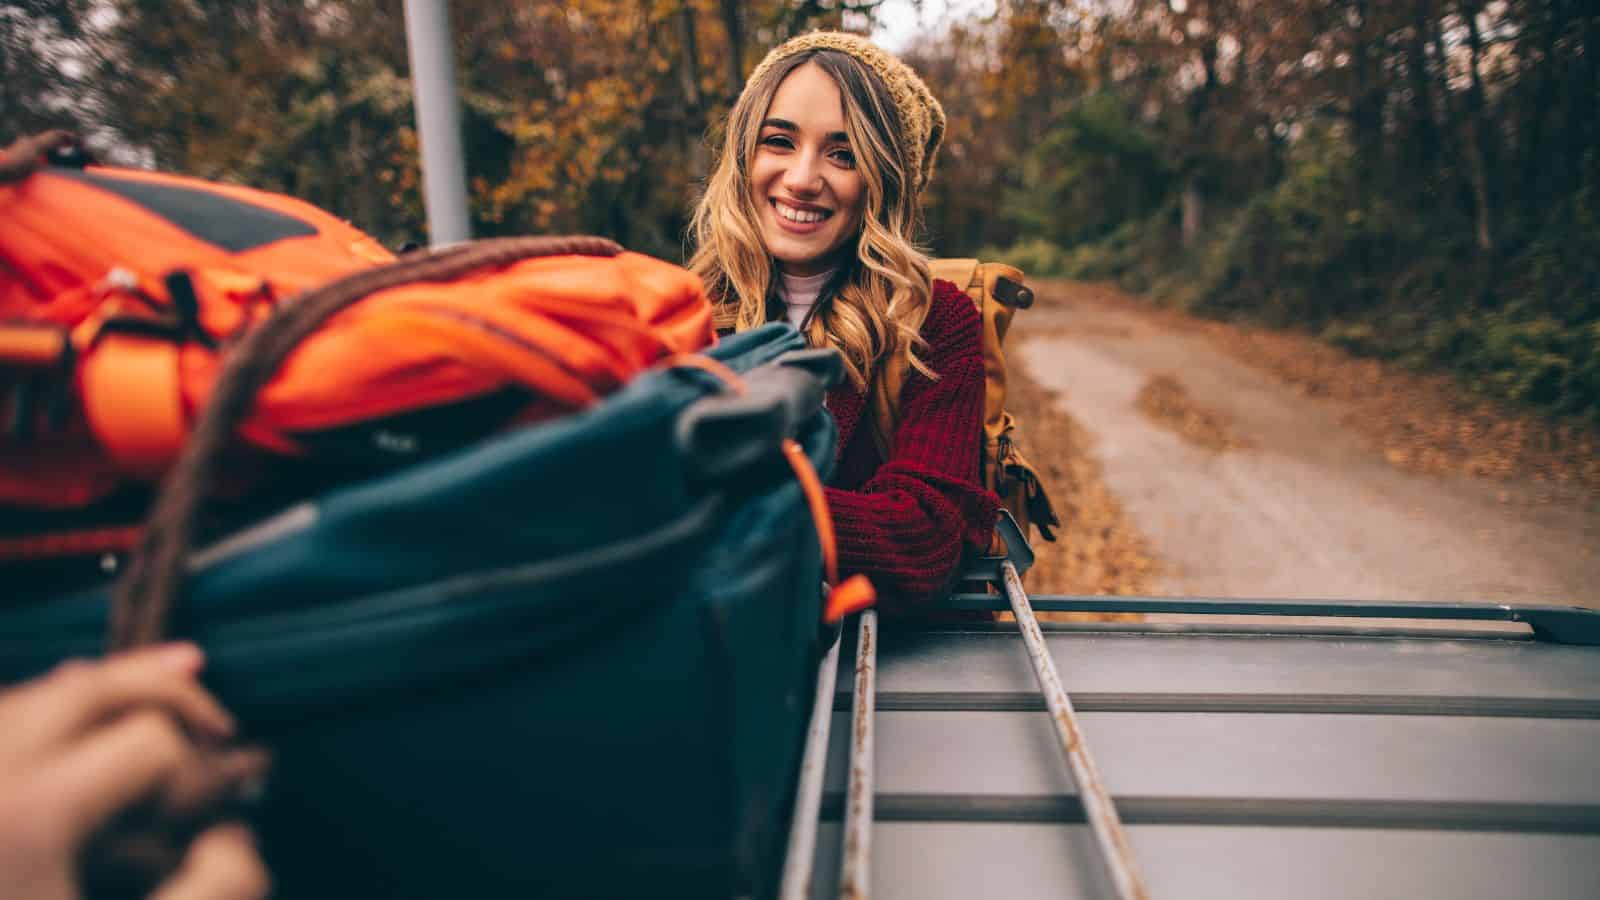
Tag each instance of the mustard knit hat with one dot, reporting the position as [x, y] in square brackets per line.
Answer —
[921, 117]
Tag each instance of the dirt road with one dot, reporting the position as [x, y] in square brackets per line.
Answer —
[1306, 507]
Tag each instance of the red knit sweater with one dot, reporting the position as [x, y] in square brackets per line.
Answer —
[904, 522]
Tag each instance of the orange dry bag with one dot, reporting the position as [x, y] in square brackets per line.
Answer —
[121, 291]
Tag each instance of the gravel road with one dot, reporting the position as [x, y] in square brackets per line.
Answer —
[1309, 509]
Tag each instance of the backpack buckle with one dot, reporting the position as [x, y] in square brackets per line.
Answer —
[180, 322]
[1012, 294]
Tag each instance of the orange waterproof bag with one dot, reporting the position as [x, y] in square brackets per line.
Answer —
[121, 292]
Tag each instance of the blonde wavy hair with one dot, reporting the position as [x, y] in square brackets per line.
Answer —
[882, 293]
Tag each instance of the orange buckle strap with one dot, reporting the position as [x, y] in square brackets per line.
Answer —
[31, 345]
[131, 394]
[44, 355]
[855, 593]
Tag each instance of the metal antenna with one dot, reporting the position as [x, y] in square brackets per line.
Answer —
[433, 84]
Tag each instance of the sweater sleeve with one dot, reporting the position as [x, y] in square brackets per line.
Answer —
[907, 525]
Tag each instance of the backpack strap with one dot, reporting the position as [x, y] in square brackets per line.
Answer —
[963, 273]
[997, 291]
[884, 393]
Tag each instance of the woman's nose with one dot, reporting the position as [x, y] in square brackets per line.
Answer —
[804, 174]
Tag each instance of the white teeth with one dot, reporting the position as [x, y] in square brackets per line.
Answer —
[799, 215]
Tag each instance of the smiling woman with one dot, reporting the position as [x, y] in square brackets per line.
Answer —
[810, 216]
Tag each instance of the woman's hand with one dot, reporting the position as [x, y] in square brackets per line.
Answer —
[93, 749]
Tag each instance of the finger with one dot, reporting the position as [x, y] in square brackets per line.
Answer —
[134, 758]
[222, 864]
[143, 845]
[25, 152]
[217, 779]
[77, 696]
[125, 863]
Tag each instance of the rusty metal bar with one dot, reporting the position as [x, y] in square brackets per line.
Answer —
[797, 863]
[1097, 806]
[855, 876]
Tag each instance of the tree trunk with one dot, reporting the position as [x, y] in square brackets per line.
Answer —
[1446, 110]
[1194, 207]
[1581, 91]
[1582, 109]
[1366, 107]
[1533, 159]
[1485, 189]
[1425, 150]
[1198, 165]
[733, 24]
[694, 122]
[689, 58]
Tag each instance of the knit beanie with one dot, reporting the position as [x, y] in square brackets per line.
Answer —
[921, 117]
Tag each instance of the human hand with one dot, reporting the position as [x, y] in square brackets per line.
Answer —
[26, 154]
[101, 758]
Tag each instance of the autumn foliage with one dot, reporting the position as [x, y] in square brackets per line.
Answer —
[1417, 180]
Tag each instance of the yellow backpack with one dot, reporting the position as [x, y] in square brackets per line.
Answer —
[998, 292]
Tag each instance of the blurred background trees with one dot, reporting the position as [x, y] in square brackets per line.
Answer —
[579, 116]
[1418, 179]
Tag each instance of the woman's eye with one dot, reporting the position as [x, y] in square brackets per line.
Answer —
[777, 140]
[844, 158]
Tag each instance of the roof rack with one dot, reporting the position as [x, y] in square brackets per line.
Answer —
[855, 881]
[994, 584]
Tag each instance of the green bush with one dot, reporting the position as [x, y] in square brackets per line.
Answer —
[1095, 170]
[1129, 255]
[1037, 257]
[1310, 250]
[1540, 362]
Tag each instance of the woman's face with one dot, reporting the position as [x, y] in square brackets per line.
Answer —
[806, 186]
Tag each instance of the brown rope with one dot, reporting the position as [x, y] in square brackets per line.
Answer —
[27, 155]
[143, 601]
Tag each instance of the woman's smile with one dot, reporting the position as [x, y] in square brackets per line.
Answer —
[800, 218]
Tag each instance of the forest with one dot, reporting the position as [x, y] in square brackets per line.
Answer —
[1417, 180]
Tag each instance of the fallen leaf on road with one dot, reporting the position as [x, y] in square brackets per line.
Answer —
[1166, 401]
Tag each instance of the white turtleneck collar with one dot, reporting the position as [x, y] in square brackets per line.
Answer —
[799, 294]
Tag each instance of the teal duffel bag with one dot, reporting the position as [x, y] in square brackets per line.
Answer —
[573, 660]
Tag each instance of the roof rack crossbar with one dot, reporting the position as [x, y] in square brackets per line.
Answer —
[1558, 624]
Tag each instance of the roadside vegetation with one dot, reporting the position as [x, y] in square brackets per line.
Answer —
[1417, 183]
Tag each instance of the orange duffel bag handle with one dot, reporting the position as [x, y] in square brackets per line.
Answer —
[143, 600]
